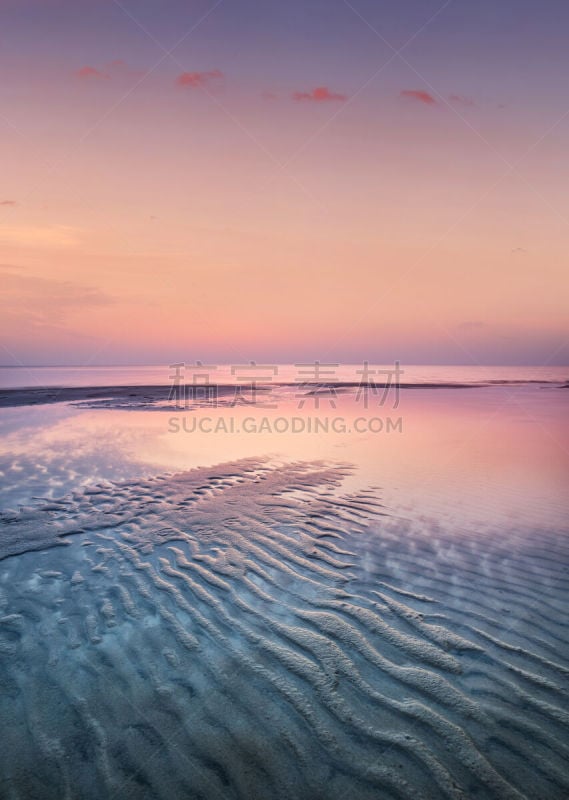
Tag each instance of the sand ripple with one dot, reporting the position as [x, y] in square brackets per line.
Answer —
[252, 631]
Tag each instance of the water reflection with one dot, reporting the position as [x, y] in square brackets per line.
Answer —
[379, 613]
[480, 455]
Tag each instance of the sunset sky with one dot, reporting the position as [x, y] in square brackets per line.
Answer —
[284, 180]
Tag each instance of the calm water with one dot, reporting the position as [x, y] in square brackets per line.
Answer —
[218, 604]
[15, 377]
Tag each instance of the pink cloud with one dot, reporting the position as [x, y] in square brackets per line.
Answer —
[91, 73]
[419, 95]
[196, 80]
[321, 94]
[8, 203]
[113, 69]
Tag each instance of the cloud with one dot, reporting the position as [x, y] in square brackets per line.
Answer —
[40, 237]
[321, 94]
[461, 100]
[39, 301]
[115, 69]
[8, 203]
[88, 73]
[197, 80]
[419, 95]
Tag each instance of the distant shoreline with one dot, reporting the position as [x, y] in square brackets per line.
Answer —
[142, 396]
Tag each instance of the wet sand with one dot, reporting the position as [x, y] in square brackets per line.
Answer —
[154, 395]
[251, 630]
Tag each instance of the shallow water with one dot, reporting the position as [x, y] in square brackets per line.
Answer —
[262, 614]
[11, 377]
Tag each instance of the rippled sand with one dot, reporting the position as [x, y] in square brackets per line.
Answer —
[252, 631]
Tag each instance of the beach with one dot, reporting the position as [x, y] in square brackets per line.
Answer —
[379, 614]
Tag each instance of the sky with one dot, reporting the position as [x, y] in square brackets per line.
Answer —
[336, 180]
